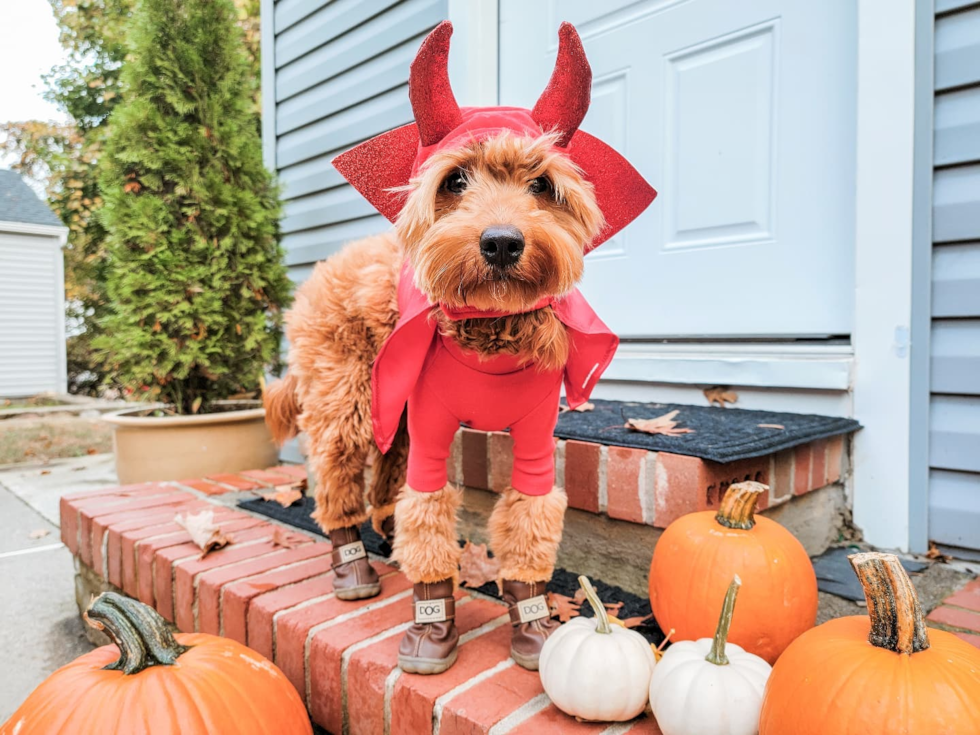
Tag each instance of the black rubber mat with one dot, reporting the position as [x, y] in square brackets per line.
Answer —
[719, 434]
[562, 582]
[836, 575]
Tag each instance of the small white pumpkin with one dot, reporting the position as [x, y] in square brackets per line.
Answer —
[706, 687]
[594, 670]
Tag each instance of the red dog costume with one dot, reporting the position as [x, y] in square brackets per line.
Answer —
[443, 385]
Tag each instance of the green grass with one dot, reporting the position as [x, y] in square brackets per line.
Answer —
[32, 402]
[41, 439]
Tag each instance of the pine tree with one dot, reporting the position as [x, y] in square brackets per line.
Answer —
[195, 276]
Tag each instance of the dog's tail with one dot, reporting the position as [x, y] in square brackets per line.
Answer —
[282, 409]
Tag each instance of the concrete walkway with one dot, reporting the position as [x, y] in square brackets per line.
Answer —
[40, 629]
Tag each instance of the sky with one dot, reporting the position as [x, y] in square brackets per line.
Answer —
[28, 48]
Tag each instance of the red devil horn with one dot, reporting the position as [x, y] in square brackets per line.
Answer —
[565, 100]
[435, 108]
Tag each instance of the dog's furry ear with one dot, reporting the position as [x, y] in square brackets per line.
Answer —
[282, 409]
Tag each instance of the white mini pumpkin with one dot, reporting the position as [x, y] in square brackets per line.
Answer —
[597, 671]
[709, 686]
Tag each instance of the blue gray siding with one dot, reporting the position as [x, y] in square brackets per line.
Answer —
[340, 77]
[954, 426]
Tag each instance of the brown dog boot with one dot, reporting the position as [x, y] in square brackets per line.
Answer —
[353, 576]
[429, 646]
[530, 619]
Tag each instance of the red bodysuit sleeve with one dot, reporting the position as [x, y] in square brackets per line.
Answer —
[534, 447]
[431, 427]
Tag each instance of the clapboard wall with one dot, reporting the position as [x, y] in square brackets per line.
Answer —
[954, 449]
[339, 75]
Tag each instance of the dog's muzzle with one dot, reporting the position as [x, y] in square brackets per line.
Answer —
[501, 245]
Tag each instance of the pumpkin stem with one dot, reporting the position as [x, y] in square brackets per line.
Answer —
[738, 505]
[717, 653]
[139, 632]
[602, 620]
[897, 623]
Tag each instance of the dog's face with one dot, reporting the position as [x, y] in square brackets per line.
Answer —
[498, 224]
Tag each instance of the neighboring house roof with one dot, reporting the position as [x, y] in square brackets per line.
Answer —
[19, 203]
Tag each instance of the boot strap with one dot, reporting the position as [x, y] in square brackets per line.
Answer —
[348, 553]
[529, 610]
[435, 611]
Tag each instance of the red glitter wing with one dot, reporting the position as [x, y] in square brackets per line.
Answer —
[381, 164]
[564, 102]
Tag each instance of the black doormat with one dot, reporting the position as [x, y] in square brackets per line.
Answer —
[836, 575]
[719, 434]
[563, 582]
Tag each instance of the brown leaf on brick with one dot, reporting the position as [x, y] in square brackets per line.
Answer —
[661, 425]
[476, 568]
[287, 539]
[262, 586]
[205, 534]
[720, 394]
[562, 607]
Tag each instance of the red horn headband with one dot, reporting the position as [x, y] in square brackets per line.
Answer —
[380, 168]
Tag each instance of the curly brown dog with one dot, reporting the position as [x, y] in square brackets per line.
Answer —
[491, 230]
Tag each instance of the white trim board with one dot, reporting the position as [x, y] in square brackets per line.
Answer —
[27, 228]
[817, 367]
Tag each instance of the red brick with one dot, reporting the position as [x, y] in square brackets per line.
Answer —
[204, 486]
[155, 569]
[166, 497]
[500, 457]
[295, 471]
[235, 481]
[269, 478]
[160, 536]
[835, 458]
[414, 695]
[582, 474]
[368, 669]
[677, 487]
[968, 597]
[718, 477]
[71, 507]
[145, 516]
[801, 473]
[210, 584]
[293, 627]
[477, 709]
[818, 464]
[552, 721]
[474, 448]
[623, 487]
[236, 598]
[261, 615]
[782, 483]
[186, 575]
[973, 640]
[956, 618]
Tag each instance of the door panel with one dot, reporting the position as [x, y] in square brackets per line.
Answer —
[742, 115]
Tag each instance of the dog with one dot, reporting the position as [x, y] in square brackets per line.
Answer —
[467, 313]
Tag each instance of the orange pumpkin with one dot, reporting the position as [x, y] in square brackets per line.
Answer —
[155, 683]
[696, 558]
[880, 674]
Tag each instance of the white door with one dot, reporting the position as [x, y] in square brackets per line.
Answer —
[742, 115]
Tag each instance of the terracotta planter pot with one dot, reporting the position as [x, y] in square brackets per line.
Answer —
[150, 448]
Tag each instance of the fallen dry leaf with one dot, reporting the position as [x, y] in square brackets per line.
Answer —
[771, 426]
[287, 539]
[91, 450]
[661, 425]
[39, 533]
[636, 621]
[285, 496]
[262, 586]
[935, 554]
[203, 532]
[613, 608]
[476, 568]
[578, 409]
[721, 395]
[45, 472]
[562, 607]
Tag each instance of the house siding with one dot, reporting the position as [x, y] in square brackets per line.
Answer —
[340, 76]
[954, 422]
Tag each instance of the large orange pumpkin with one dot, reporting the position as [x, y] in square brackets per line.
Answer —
[877, 675]
[696, 558]
[154, 683]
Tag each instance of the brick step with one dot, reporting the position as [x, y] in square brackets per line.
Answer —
[341, 656]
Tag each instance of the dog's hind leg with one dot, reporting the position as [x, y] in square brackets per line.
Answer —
[387, 478]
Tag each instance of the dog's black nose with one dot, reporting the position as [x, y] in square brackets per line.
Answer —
[501, 245]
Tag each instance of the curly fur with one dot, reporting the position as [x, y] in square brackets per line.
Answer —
[525, 532]
[347, 308]
[425, 534]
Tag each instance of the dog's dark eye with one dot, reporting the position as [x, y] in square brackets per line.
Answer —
[455, 183]
[541, 185]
